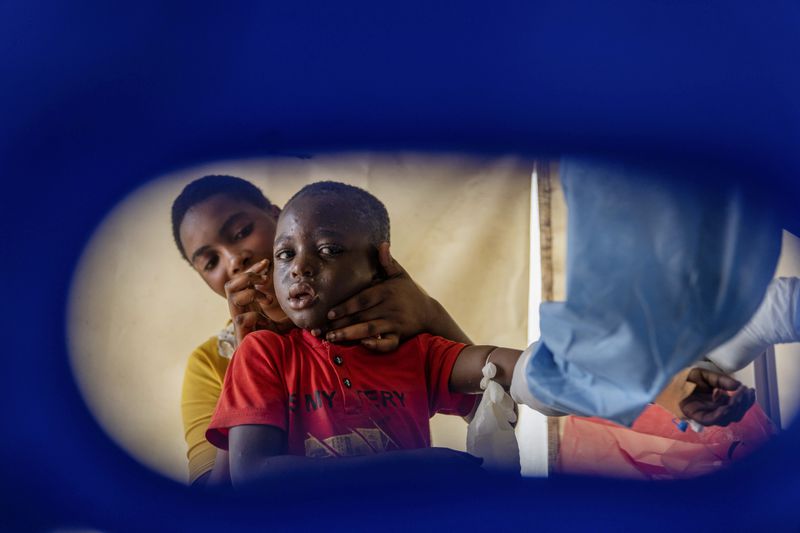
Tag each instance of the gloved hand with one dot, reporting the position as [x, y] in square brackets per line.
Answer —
[490, 434]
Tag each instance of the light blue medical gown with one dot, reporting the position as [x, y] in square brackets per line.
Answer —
[659, 272]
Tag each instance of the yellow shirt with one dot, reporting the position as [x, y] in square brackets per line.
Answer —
[202, 386]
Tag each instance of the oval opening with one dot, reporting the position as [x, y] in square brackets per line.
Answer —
[484, 235]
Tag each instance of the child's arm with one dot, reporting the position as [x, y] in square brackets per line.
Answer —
[396, 309]
[257, 456]
[220, 475]
[466, 374]
[253, 452]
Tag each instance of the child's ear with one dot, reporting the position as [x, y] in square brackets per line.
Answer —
[274, 211]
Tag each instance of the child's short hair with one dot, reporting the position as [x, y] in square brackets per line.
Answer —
[370, 212]
[203, 188]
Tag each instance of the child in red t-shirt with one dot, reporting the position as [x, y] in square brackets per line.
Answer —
[291, 401]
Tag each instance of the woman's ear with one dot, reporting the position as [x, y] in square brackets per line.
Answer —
[274, 211]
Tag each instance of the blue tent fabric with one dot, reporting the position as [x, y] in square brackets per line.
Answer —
[99, 96]
[660, 270]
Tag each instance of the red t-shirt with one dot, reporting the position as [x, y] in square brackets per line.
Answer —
[334, 400]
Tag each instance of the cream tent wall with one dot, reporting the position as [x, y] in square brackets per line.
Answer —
[460, 226]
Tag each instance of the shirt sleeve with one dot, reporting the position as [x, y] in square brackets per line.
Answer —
[202, 384]
[440, 357]
[254, 391]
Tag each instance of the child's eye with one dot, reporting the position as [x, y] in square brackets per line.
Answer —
[244, 232]
[284, 255]
[211, 264]
[330, 249]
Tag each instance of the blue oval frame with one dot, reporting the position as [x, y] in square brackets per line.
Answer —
[99, 97]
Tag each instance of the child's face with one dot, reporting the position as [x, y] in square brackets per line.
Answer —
[223, 236]
[322, 258]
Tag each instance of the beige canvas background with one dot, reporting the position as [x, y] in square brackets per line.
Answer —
[460, 226]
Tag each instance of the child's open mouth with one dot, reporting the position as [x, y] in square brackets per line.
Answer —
[302, 296]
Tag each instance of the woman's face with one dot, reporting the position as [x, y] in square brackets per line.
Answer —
[223, 236]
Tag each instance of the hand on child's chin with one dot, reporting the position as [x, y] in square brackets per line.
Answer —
[358, 334]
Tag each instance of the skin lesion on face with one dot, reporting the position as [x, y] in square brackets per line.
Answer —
[321, 258]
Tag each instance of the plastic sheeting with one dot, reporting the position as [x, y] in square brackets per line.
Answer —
[654, 448]
[659, 272]
[490, 434]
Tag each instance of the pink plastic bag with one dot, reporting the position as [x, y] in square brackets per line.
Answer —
[654, 448]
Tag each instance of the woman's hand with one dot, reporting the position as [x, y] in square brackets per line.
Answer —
[390, 312]
[250, 300]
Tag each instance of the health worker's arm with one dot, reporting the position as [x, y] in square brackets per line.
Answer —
[776, 321]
